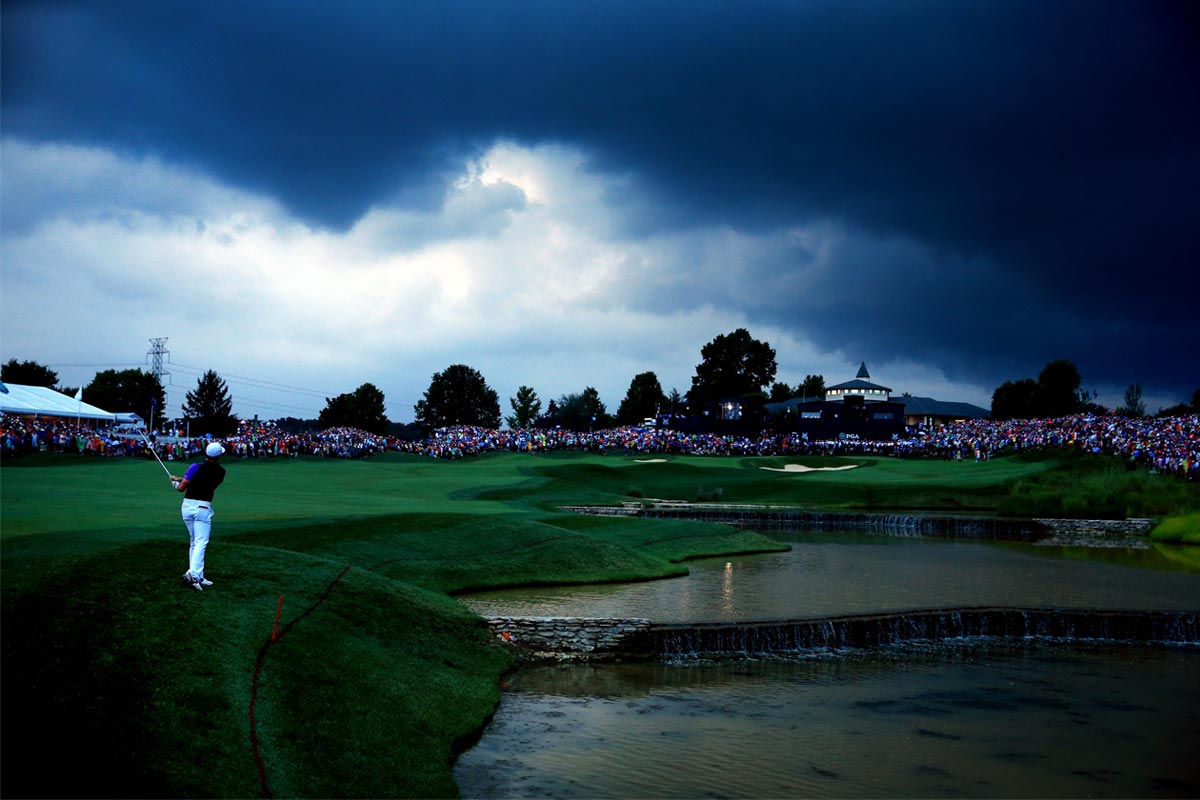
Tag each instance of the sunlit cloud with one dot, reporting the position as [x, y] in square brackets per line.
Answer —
[519, 274]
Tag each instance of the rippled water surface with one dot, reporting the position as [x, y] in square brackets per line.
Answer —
[983, 721]
[827, 574]
[959, 720]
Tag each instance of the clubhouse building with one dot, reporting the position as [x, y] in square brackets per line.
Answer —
[867, 410]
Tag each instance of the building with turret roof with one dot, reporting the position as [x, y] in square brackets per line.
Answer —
[866, 409]
[860, 386]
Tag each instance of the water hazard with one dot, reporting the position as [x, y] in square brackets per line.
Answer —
[1001, 720]
[979, 719]
[829, 574]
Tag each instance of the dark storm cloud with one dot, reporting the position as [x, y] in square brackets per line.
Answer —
[1036, 162]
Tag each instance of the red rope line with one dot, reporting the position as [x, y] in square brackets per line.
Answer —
[258, 666]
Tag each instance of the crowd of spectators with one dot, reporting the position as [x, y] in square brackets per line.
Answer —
[23, 435]
[1168, 445]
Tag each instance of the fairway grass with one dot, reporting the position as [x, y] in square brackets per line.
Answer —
[144, 687]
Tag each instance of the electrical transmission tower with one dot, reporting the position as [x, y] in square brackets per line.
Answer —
[158, 349]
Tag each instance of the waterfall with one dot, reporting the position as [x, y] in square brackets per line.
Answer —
[891, 524]
[875, 630]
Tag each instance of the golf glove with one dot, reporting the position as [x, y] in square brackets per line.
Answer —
[175, 485]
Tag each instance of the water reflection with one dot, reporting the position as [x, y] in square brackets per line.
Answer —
[982, 721]
[828, 574]
[994, 720]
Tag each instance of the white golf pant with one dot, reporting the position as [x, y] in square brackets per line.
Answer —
[197, 515]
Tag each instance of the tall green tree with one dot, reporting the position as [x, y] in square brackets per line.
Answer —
[780, 391]
[1058, 389]
[583, 411]
[209, 408]
[128, 391]
[1055, 393]
[27, 373]
[732, 365]
[676, 401]
[458, 396]
[812, 388]
[526, 407]
[1016, 400]
[364, 408]
[644, 399]
[1134, 405]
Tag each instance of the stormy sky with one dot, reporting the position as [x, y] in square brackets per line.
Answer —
[306, 196]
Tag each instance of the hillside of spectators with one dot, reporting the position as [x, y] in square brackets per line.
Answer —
[1169, 445]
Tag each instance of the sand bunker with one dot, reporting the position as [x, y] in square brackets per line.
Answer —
[802, 468]
[650, 460]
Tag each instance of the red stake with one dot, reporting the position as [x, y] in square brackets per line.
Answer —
[278, 611]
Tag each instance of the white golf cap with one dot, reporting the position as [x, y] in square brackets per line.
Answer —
[214, 450]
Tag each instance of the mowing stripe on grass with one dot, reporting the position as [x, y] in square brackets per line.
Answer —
[258, 665]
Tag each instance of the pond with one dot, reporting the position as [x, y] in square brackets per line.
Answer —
[981, 719]
[827, 574]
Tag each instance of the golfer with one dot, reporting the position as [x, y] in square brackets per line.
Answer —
[198, 485]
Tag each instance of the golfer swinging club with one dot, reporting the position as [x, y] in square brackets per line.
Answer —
[198, 484]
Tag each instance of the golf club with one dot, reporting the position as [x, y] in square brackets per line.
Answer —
[156, 458]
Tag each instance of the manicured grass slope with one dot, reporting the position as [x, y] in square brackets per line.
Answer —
[129, 684]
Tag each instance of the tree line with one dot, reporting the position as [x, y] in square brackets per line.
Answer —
[1056, 393]
[733, 366]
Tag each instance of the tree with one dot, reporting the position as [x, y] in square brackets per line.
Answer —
[128, 390]
[296, 425]
[583, 411]
[733, 365]
[1054, 394]
[209, 408]
[363, 409]
[780, 391]
[28, 373]
[813, 387]
[1058, 389]
[675, 400]
[526, 406]
[1015, 400]
[458, 396]
[1180, 409]
[644, 399]
[1134, 406]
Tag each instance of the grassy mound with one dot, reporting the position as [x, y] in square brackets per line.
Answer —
[1099, 488]
[1182, 529]
[147, 684]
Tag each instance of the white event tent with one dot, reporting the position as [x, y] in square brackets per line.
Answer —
[45, 402]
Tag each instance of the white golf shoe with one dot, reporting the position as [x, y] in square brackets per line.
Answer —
[193, 582]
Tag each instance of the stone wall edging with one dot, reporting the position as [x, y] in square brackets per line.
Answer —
[608, 639]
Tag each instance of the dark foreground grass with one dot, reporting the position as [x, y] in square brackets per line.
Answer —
[120, 682]
[143, 686]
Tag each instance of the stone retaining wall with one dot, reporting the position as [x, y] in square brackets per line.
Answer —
[1133, 533]
[1119, 527]
[1094, 532]
[611, 639]
[570, 638]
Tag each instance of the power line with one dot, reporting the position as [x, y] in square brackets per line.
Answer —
[261, 383]
[106, 364]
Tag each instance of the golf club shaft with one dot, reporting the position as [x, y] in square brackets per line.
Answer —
[156, 458]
